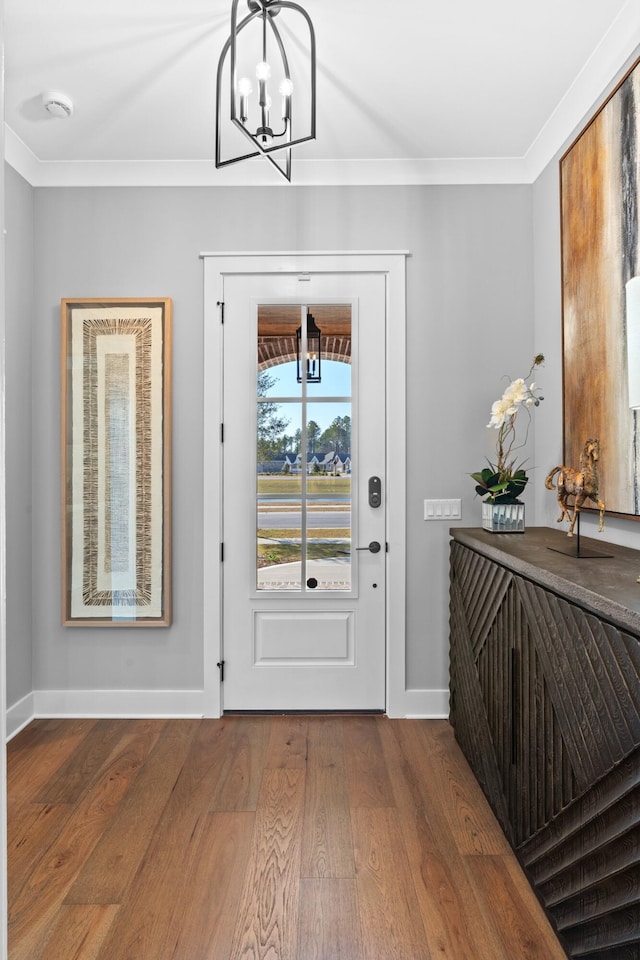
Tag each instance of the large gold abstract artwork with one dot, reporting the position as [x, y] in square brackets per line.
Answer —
[600, 190]
[116, 462]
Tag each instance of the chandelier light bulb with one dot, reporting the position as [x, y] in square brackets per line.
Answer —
[244, 89]
[263, 70]
[286, 89]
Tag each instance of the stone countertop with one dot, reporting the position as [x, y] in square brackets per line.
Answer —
[606, 586]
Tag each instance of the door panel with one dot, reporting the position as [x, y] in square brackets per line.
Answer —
[312, 638]
[303, 608]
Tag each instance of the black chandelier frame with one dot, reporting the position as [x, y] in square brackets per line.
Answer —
[268, 10]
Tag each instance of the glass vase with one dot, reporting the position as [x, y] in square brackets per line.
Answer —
[502, 517]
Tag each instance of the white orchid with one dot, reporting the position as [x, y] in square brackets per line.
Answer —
[504, 480]
[507, 406]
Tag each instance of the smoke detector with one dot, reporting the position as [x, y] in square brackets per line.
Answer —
[57, 104]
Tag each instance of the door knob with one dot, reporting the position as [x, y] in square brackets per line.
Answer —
[373, 547]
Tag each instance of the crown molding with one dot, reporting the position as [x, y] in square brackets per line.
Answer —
[614, 55]
[18, 156]
[258, 173]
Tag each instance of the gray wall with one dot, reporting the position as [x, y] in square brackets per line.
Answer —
[19, 303]
[470, 322]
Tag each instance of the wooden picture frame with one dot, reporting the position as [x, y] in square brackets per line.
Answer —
[600, 199]
[116, 461]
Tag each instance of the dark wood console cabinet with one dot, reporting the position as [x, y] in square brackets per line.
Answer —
[545, 704]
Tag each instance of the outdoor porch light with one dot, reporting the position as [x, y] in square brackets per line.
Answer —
[261, 52]
[314, 351]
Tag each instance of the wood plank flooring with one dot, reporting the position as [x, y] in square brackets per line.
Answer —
[259, 838]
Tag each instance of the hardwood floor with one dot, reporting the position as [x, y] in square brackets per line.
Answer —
[259, 838]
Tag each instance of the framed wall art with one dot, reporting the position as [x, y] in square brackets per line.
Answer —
[116, 462]
[600, 196]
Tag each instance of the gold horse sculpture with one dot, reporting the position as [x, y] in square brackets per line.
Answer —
[580, 484]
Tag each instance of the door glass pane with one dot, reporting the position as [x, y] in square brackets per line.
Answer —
[334, 323]
[278, 496]
[329, 497]
[277, 338]
[303, 489]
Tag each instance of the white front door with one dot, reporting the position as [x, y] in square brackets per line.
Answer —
[304, 491]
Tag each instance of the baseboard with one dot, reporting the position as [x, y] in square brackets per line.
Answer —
[423, 705]
[175, 704]
[19, 715]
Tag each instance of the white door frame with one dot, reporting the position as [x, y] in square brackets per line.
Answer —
[3, 540]
[393, 265]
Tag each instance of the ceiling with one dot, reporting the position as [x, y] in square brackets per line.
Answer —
[411, 91]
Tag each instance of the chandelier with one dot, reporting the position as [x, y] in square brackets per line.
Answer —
[261, 51]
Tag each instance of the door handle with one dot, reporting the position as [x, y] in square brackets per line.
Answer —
[373, 547]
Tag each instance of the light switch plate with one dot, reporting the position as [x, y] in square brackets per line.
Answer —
[442, 509]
